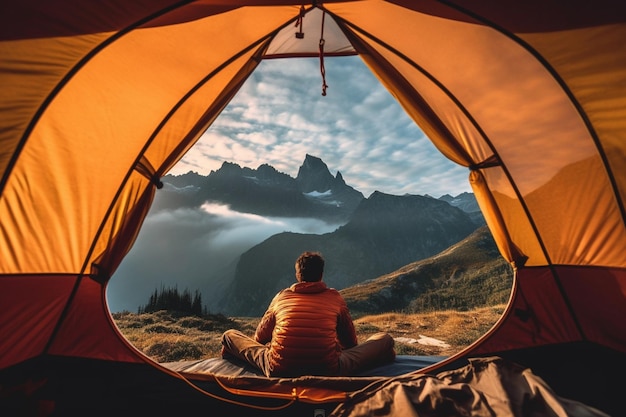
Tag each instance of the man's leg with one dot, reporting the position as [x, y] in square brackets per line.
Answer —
[245, 348]
[376, 350]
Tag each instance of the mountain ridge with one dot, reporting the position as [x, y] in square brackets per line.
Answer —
[265, 191]
[384, 233]
[468, 274]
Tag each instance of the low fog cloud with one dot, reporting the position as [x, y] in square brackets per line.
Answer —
[194, 249]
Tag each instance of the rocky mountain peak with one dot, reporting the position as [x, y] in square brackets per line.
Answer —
[465, 201]
[228, 169]
[314, 175]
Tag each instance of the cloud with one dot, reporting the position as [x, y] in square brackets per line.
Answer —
[194, 249]
[279, 116]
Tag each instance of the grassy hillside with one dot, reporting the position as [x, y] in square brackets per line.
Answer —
[467, 275]
[167, 337]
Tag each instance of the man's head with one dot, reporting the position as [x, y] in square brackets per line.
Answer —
[309, 267]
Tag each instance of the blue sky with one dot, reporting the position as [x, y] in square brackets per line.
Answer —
[358, 128]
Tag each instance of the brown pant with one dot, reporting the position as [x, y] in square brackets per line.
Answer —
[376, 350]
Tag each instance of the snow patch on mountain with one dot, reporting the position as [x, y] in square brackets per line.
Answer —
[323, 197]
[186, 189]
[317, 194]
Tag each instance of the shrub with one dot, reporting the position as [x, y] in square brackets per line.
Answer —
[160, 328]
[191, 322]
[366, 328]
[410, 349]
[167, 351]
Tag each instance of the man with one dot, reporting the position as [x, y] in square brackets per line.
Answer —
[307, 330]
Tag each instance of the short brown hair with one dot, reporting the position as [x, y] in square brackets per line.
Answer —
[310, 267]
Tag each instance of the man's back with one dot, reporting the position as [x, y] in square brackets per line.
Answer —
[307, 329]
[308, 324]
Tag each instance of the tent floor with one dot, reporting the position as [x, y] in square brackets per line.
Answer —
[79, 387]
[61, 386]
[217, 366]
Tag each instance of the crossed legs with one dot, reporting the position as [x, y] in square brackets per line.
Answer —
[376, 350]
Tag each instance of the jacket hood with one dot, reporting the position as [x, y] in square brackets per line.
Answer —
[309, 287]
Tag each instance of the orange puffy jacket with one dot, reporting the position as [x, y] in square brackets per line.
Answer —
[307, 326]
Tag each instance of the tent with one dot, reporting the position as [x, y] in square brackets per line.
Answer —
[101, 98]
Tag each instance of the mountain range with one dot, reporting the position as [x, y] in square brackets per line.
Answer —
[314, 193]
[379, 234]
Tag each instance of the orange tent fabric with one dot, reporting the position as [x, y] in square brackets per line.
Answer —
[101, 98]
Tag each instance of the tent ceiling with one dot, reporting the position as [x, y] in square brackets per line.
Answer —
[544, 103]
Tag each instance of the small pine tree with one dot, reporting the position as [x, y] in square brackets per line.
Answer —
[171, 299]
[196, 306]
